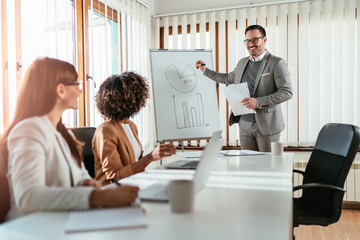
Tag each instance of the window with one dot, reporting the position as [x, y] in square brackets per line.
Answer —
[99, 37]
[39, 28]
[103, 55]
[116, 40]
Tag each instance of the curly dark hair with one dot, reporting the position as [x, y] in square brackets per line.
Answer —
[122, 96]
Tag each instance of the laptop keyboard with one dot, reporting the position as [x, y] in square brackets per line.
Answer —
[192, 164]
[157, 191]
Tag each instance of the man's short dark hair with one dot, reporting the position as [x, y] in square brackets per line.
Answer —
[258, 27]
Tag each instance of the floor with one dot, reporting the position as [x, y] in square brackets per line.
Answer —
[347, 228]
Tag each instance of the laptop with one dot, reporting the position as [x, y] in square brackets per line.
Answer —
[158, 191]
[185, 164]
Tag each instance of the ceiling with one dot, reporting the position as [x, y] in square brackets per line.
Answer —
[172, 7]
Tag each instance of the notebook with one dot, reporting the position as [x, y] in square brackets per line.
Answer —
[158, 191]
[185, 164]
[105, 219]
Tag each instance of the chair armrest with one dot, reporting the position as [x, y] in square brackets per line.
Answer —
[299, 171]
[317, 185]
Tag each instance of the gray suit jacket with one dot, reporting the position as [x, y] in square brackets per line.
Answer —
[272, 87]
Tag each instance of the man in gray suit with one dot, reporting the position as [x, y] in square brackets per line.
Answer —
[269, 85]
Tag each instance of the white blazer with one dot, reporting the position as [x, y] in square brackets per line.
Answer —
[42, 173]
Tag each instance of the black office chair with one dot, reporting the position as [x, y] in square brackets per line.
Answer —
[85, 134]
[325, 175]
[4, 192]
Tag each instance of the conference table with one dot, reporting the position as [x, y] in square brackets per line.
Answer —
[246, 197]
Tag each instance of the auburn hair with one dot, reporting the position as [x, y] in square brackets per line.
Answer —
[37, 97]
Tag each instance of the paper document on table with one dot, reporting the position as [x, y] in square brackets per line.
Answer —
[193, 154]
[234, 94]
[241, 153]
[106, 218]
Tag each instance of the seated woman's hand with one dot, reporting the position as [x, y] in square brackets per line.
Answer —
[163, 150]
[159, 152]
[120, 196]
[91, 183]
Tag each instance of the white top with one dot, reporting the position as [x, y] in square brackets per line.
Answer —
[134, 143]
[42, 173]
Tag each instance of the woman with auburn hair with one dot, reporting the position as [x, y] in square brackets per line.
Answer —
[116, 146]
[44, 162]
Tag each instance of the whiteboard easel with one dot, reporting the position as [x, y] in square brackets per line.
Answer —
[185, 101]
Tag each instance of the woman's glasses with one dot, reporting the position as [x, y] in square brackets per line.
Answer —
[78, 84]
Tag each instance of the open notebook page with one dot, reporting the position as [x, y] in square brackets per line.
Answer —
[106, 218]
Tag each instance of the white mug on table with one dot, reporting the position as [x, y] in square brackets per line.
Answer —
[181, 193]
[277, 148]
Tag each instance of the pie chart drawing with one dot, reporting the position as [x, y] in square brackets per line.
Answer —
[181, 76]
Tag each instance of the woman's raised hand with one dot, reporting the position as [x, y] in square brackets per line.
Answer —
[163, 150]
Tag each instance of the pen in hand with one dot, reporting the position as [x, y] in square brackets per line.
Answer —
[198, 65]
[113, 180]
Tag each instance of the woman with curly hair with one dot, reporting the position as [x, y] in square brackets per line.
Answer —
[116, 146]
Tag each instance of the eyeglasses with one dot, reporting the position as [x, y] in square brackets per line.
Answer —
[78, 84]
[253, 40]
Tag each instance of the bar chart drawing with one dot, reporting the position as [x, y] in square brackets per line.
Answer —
[190, 116]
[181, 77]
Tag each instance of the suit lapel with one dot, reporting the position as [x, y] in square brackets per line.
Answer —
[67, 158]
[261, 70]
[65, 152]
[241, 71]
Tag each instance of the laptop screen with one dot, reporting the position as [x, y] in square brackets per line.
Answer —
[206, 164]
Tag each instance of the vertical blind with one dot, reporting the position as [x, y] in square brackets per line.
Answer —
[319, 40]
[116, 44]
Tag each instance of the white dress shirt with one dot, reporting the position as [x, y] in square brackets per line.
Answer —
[258, 58]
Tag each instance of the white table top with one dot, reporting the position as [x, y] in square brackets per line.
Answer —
[245, 198]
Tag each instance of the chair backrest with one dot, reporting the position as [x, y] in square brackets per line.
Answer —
[329, 163]
[4, 193]
[86, 134]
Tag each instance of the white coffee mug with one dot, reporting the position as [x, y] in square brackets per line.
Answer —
[277, 148]
[181, 193]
